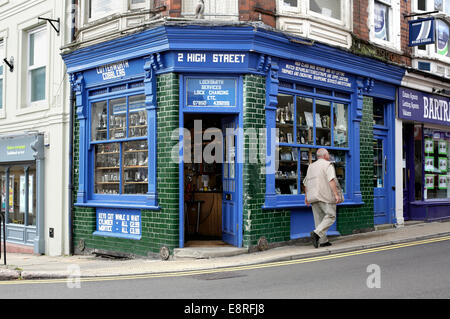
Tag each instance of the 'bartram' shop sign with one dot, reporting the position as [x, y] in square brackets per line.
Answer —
[422, 107]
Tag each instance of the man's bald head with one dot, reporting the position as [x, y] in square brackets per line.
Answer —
[323, 153]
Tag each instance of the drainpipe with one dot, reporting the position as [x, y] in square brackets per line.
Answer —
[71, 125]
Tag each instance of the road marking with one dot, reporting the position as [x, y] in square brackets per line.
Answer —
[234, 268]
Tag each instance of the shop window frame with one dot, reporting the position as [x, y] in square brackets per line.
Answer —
[298, 200]
[107, 93]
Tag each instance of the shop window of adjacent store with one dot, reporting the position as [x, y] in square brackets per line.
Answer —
[2, 54]
[119, 138]
[436, 159]
[37, 64]
[18, 194]
[306, 123]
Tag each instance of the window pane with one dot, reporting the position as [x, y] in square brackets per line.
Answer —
[107, 168]
[438, 5]
[381, 21]
[137, 116]
[437, 165]
[32, 195]
[38, 48]
[304, 120]
[323, 123]
[290, 3]
[442, 38]
[135, 167]
[285, 118]
[422, 5]
[37, 84]
[340, 125]
[378, 173]
[102, 8]
[305, 159]
[287, 175]
[117, 118]
[1, 93]
[338, 158]
[329, 8]
[99, 121]
[378, 112]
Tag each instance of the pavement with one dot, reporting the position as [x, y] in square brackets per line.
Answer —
[29, 266]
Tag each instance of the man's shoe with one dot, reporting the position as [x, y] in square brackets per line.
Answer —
[325, 244]
[315, 239]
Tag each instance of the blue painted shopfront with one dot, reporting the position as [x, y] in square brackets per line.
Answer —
[119, 77]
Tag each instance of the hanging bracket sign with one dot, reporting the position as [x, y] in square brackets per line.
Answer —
[421, 32]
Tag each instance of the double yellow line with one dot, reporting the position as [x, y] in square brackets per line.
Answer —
[236, 268]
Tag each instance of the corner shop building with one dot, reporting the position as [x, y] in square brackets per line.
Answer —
[139, 97]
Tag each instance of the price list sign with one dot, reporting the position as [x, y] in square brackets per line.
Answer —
[119, 223]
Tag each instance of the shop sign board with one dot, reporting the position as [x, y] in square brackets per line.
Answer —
[123, 223]
[306, 71]
[423, 107]
[13, 149]
[211, 92]
[421, 32]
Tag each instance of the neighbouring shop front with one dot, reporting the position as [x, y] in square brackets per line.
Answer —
[21, 175]
[426, 154]
[208, 137]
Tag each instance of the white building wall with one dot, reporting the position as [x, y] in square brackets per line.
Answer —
[49, 116]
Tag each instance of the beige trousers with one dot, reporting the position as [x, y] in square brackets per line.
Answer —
[324, 217]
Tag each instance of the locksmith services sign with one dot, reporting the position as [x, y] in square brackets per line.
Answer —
[211, 92]
[421, 31]
[423, 107]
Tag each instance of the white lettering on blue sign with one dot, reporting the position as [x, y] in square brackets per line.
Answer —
[122, 223]
[316, 73]
[223, 58]
[114, 70]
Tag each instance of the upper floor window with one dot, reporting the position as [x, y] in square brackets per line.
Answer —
[137, 4]
[37, 64]
[442, 38]
[101, 8]
[385, 21]
[381, 16]
[442, 6]
[214, 9]
[2, 54]
[327, 8]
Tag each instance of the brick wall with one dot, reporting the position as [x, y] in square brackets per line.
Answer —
[361, 35]
[355, 219]
[272, 224]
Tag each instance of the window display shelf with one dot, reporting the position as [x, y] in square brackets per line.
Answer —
[105, 168]
[134, 167]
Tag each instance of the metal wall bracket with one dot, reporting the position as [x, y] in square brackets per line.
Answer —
[51, 23]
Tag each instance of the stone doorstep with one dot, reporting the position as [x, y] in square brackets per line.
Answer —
[207, 252]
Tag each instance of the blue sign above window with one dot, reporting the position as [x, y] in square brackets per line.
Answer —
[119, 223]
[211, 92]
[421, 32]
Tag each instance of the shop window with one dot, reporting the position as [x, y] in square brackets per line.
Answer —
[2, 54]
[306, 123]
[37, 64]
[18, 196]
[436, 182]
[119, 135]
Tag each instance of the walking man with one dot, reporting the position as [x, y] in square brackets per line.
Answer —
[321, 192]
